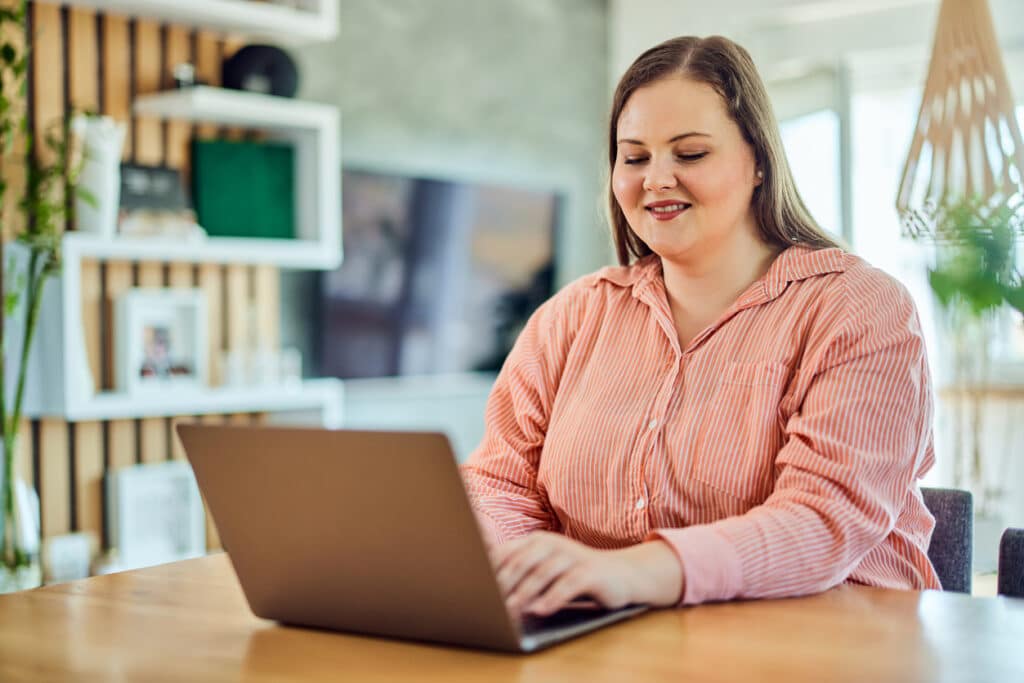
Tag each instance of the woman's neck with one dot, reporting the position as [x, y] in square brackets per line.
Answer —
[701, 289]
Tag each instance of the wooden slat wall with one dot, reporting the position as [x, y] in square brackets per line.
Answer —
[90, 61]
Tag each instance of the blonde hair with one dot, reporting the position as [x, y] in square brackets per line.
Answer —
[782, 217]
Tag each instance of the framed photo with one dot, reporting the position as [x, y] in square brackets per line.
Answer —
[161, 340]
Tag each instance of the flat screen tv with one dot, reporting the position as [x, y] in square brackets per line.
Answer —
[438, 276]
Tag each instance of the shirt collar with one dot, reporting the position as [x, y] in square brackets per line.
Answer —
[794, 263]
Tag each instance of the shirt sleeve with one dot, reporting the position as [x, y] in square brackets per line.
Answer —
[501, 474]
[853, 448]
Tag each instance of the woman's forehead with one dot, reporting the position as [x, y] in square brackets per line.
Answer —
[670, 107]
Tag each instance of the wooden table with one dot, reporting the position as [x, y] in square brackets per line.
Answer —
[188, 621]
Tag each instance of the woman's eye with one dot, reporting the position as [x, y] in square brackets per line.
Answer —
[634, 160]
[692, 157]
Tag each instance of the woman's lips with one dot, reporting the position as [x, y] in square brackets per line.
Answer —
[666, 211]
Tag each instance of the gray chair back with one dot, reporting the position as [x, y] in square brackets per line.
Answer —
[951, 546]
[1011, 563]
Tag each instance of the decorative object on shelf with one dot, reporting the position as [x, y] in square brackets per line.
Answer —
[961, 193]
[154, 515]
[262, 69]
[49, 179]
[153, 204]
[69, 556]
[161, 340]
[184, 75]
[102, 138]
[263, 367]
[244, 189]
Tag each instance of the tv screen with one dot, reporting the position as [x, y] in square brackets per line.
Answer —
[438, 275]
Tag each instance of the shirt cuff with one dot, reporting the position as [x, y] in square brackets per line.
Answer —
[489, 528]
[711, 568]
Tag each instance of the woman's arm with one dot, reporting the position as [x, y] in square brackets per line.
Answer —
[501, 474]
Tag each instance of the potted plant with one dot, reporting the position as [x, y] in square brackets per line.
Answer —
[33, 259]
[974, 280]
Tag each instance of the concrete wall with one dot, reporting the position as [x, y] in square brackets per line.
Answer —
[491, 90]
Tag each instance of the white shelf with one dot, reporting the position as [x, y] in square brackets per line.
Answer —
[314, 131]
[275, 23]
[235, 250]
[320, 394]
[236, 108]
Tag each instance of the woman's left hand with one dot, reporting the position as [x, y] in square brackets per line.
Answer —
[542, 572]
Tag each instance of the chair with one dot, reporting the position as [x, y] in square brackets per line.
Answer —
[951, 548]
[1011, 563]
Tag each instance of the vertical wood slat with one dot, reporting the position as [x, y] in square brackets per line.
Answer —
[54, 484]
[116, 59]
[92, 304]
[118, 281]
[83, 47]
[121, 448]
[238, 333]
[47, 61]
[149, 149]
[180, 276]
[208, 70]
[178, 132]
[148, 133]
[265, 295]
[23, 454]
[211, 281]
[89, 478]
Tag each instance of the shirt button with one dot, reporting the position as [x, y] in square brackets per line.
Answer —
[641, 504]
[652, 424]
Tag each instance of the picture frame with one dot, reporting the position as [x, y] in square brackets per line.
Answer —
[154, 514]
[161, 340]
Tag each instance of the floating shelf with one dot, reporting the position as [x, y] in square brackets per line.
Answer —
[237, 108]
[229, 250]
[312, 128]
[318, 394]
[277, 23]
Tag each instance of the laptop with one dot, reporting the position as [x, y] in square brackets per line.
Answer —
[366, 532]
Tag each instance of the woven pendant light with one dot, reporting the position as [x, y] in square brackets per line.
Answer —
[967, 144]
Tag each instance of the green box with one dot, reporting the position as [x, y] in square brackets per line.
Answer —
[244, 189]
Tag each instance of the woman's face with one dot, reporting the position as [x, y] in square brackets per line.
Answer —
[683, 174]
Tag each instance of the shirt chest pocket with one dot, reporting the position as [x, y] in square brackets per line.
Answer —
[739, 433]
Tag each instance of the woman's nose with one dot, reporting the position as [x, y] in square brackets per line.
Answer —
[660, 176]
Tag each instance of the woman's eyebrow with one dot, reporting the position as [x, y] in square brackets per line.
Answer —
[629, 141]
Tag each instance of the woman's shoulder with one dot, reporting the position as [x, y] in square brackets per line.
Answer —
[863, 286]
[596, 292]
[859, 298]
[614, 278]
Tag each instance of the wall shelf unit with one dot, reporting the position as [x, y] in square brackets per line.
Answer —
[315, 21]
[314, 131]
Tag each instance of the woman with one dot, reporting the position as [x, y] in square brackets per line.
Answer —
[743, 411]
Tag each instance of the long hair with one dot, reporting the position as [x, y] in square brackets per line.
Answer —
[782, 218]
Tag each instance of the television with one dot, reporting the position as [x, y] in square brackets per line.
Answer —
[438, 276]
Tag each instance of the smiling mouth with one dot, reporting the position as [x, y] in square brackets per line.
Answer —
[664, 212]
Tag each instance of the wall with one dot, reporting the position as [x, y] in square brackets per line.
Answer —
[481, 89]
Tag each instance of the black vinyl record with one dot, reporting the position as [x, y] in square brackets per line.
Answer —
[261, 68]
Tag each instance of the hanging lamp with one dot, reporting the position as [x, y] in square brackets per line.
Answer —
[967, 144]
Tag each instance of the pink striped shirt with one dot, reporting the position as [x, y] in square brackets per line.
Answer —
[778, 453]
